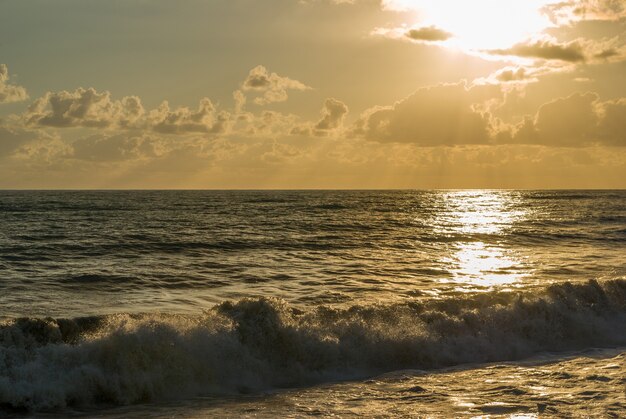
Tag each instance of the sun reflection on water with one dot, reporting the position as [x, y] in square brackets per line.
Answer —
[478, 220]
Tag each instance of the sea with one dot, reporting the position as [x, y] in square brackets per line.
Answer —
[408, 303]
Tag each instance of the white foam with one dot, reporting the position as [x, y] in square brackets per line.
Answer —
[254, 344]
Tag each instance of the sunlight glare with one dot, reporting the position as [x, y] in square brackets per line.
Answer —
[480, 24]
[484, 263]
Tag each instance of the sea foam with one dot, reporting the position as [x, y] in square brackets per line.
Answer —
[256, 344]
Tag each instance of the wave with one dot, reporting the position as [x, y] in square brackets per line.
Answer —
[255, 344]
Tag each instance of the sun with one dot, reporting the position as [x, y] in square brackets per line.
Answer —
[480, 24]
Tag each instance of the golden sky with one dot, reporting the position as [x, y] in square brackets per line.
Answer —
[312, 94]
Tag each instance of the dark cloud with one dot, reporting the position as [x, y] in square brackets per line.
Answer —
[545, 49]
[428, 34]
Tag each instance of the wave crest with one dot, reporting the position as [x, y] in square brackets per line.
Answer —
[254, 344]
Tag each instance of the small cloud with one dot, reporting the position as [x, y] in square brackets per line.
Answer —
[606, 54]
[10, 92]
[271, 86]
[545, 49]
[512, 74]
[333, 114]
[428, 34]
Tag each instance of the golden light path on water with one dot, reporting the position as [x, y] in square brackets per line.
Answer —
[480, 264]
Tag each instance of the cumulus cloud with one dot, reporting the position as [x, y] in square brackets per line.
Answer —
[84, 108]
[267, 123]
[455, 114]
[183, 120]
[545, 49]
[333, 114]
[270, 86]
[439, 115]
[577, 120]
[10, 92]
[428, 34]
[92, 109]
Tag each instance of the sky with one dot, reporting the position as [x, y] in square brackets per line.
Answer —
[299, 94]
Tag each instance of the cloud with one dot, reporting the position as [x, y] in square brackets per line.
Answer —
[612, 122]
[270, 86]
[267, 123]
[428, 34]
[333, 114]
[545, 49]
[454, 114]
[565, 12]
[30, 146]
[607, 54]
[183, 120]
[83, 108]
[511, 74]
[580, 119]
[10, 92]
[12, 138]
[89, 108]
[119, 147]
[439, 115]
[520, 75]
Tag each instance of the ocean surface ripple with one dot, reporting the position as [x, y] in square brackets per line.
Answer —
[74, 253]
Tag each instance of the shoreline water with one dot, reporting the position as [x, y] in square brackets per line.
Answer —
[253, 345]
[573, 384]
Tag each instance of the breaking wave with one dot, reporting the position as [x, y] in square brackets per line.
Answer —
[255, 344]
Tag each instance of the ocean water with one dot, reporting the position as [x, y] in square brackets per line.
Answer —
[296, 303]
